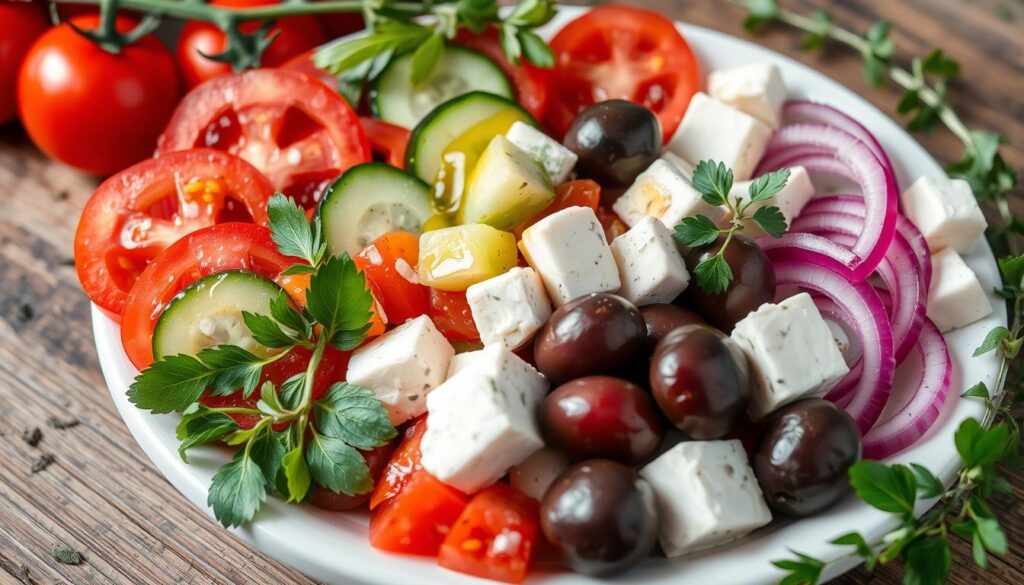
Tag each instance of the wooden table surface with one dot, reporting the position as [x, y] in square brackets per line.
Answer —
[102, 496]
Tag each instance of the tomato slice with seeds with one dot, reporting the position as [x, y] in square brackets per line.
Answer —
[296, 130]
[416, 520]
[622, 52]
[137, 213]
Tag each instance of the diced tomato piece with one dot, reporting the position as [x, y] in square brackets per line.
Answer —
[417, 519]
[388, 141]
[495, 535]
[404, 461]
[579, 193]
[389, 264]
[451, 314]
[613, 226]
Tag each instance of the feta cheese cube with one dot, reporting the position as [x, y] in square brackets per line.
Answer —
[463, 360]
[650, 266]
[557, 160]
[946, 212]
[955, 297]
[482, 420]
[509, 308]
[790, 200]
[535, 475]
[663, 192]
[402, 366]
[681, 166]
[714, 130]
[706, 494]
[756, 89]
[791, 352]
[569, 250]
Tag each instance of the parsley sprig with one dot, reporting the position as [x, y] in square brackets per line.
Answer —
[714, 182]
[285, 451]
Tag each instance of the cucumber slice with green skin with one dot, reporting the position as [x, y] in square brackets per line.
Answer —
[446, 123]
[458, 71]
[370, 200]
[209, 312]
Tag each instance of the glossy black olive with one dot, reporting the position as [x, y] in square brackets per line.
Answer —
[803, 456]
[700, 380]
[597, 334]
[753, 282]
[616, 140]
[662, 318]
[600, 514]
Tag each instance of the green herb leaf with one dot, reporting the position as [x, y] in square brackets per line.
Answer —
[803, 570]
[269, 403]
[536, 51]
[293, 233]
[768, 185]
[1012, 269]
[339, 300]
[978, 548]
[936, 62]
[820, 33]
[760, 12]
[267, 450]
[297, 473]
[771, 220]
[928, 486]
[927, 561]
[291, 391]
[295, 269]
[237, 491]
[996, 335]
[391, 37]
[979, 390]
[337, 466]
[283, 312]
[713, 275]
[979, 447]
[170, 384]
[508, 38]
[857, 541]
[67, 555]
[354, 415]
[909, 102]
[201, 426]
[874, 69]
[878, 37]
[233, 368]
[266, 331]
[696, 231]
[713, 181]
[992, 535]
[890, 488]
[425, 59]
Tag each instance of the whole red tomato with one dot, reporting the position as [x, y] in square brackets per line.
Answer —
[91, 109]
[20, 24]
[295, 35]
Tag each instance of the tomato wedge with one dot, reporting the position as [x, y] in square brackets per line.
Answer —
[622, 52]
[416, 520]
[578, 193]
[404, 461]
[388, 141]
[214, 249]
[451, 314]
[142, 210]
[531, 83]
[297, 131]
[389, 264]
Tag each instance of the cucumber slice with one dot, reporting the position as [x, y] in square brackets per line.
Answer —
[209, 312]
[458, 71]
[370, 200]
[449, 121]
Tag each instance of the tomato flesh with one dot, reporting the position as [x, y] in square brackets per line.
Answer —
[416, 520]
[403, 463]
[578, 193]
[451, 314]
[389, 264]
[388, 141]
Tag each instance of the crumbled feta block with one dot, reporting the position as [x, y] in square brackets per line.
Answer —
[706, 494]
[650, 266]
[663, 192]
[557, 160]
[510, 307]
[717, 131]
[756, 89]
[535, 475]
[681, 166]
[402, 366]
[462, 360]
[482, 420]
[791, 352]
[946, 212]
[790, 200]
[955, 297]
[569, 250]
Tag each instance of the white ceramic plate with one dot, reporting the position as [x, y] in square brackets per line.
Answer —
[334, 548]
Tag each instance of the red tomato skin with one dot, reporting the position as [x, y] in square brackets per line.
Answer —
[91, 109]
[382, 263]
[325, 499]
[532, 85]
[21, 23]
[340, 24]
[416, 520]
[494, 536]
[388, 141]
[578, 193]
[451, 314]
[403, 463]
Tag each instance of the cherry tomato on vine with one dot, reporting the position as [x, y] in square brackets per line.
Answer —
[21, 23]
[531, 83]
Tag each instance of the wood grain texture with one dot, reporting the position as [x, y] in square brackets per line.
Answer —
[103, 497]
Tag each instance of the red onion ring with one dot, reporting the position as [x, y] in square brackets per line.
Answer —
[840, 392]
[801, 111]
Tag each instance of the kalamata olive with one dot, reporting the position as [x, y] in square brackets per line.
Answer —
[753, 282]
[600, 514]
[326, 499]
[803, 456]
[662, 318]
[597, 334]
[601, 416]
[616, 140]
[700, 380]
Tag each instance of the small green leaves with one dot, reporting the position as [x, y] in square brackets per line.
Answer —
[390, 37]
[819, 33]
[713, 181]
[768, 185]
[890, 488]
[877, 52]
[237, 490]
[67, 555]
[296, 471]
[1012, 269]
[267, 450]
[293, 233]
[536, 51]
[992, 340]
[714, 274]
[201, 425]
[857, 541]
[170, 384]
[696, 231]
[338, 466]
[354, 415]
[517, 40]
[425, 58]
[927, 561]
[771, 221]
[979, 390]
[979, 447]
[339, 300]
[266, 331]
[928, 486]
[803, 570]
[233, 368]
[760, 12]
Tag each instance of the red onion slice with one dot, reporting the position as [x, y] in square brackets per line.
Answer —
[800, 111]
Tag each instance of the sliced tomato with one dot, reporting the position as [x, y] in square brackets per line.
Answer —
[416, 520]
[622, 52]
[451, 314]
[142, 210]
[295, 130]
[404, 461]
[304, 63]
[579, 193]
[387, 140]
[214, 249]
[495, 535]
[531, 83]
[389, 264]
[376, 460]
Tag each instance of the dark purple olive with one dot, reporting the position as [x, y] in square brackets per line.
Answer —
[597, 334]
[803, 456]
[616, 140]
[753, 282]
[662, 318]
[601, 416]
[600, 514]
[700, 380]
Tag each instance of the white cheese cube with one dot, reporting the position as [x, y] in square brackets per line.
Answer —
[663, 192]
[650, 266]
[461, 361]
[791, 352]
[402, 366]
[535, 475]
[681, 166]
[946, 212]
[707, 495]
[569, 250]
[955, 297]
[557, 160]
[510, 307]
[790, 200]
[756, 89]
[482, 421]
[717, 131]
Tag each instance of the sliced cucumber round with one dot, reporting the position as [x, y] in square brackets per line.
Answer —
[395, 99]
[449, 121]
[209, 312]
[370, 200]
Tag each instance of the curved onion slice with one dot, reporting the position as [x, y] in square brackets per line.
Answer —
[800, 111]
[840, 392]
